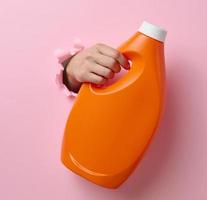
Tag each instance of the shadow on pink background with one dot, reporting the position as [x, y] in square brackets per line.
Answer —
[33, 111]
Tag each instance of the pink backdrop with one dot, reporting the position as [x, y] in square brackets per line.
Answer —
[33, 111]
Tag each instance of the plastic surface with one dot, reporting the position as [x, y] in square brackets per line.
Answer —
[109, 129]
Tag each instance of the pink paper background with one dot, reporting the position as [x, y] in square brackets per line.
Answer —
[33, 111]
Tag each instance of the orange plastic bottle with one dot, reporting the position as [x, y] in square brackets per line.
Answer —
[109, 129]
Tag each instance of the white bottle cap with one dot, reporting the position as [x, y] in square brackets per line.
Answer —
[153, 31]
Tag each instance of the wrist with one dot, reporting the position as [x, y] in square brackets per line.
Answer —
[72, 82]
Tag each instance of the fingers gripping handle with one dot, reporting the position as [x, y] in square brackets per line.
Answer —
[132, 75]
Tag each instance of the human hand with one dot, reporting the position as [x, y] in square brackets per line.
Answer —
[95, 64]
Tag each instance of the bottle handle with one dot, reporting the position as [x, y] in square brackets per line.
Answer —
[137, 67]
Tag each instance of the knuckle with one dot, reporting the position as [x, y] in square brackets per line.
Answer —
[99, 44]
[89, 57]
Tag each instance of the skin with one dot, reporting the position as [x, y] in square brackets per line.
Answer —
[95, 64]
